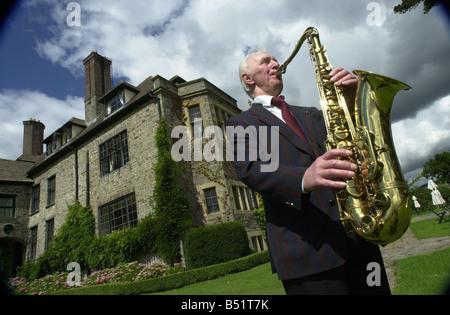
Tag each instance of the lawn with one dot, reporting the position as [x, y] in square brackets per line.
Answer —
[256, 281]
[424, 275]
[430, 228]
[421, 275]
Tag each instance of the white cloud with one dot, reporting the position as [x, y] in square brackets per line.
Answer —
[419, 138]
[17, 106]
[205, 38]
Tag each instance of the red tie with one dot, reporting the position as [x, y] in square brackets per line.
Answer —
[287, 116]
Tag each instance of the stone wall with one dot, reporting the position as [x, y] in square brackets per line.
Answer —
[81, 163]
[22, 208]
[136, 176]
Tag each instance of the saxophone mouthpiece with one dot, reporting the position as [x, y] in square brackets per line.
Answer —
[281, 70]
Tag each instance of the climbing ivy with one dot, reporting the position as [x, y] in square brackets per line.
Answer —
[169, 202]
[158, 233]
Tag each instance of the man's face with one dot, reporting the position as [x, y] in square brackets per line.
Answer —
[262, 75]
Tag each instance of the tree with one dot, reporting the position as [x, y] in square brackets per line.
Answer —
[408, 5]
[438, 168]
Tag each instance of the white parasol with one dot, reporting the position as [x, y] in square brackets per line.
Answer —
[436, 196]
[416, 202]
[432, 185]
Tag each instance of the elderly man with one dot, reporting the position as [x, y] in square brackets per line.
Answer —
[309, 248]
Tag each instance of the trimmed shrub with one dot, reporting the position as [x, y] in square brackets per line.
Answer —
[215, 244]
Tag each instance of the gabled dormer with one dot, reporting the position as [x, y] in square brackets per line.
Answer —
[63, 135]
[116, 98]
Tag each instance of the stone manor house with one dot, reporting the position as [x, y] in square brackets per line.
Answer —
[106, 161]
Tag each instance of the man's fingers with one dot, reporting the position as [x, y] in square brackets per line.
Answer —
[340, 76]
[340, 164]
[332, 183]
[336, 184]
[327, 168]
[332, 161]
[335, 173]
[336, 153]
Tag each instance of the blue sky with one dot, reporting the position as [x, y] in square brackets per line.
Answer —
[20, 64]
[42, 74]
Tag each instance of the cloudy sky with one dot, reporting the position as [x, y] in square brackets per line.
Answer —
[42, 74]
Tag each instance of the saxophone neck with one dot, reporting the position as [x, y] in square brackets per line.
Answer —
[308, 33]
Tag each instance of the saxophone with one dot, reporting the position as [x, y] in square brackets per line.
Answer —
[375, 202]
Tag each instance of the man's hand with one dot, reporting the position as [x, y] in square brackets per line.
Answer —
[342, 77]
[326, 168]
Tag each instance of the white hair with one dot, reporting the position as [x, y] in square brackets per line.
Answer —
[243, 68]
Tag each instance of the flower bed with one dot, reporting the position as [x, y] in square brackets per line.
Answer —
[123, 273]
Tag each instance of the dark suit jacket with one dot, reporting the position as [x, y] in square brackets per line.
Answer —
[304, 233]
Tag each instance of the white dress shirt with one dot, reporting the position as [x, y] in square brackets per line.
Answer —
[266, 102]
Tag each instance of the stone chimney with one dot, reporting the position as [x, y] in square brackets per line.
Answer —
[98, 83]
[33, 135]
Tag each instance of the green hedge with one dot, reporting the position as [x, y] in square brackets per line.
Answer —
[215, 244]
[173, 281]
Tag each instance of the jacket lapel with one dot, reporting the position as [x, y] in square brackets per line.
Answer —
[313, 129]
[271, 120]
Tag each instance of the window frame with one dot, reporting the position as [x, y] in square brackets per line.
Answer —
[49, 232]
[35, 201]
[115, 103]
[11, 208]
[51, 190]
[106, 219]
[33, 242]
[208, 198]
[196, 119]
[245, 198]
[114, 153]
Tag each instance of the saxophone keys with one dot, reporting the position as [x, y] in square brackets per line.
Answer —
[382, 201]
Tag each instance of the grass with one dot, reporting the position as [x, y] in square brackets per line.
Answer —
[256, 281]
[420, 275]
[430, 228]
[424, 275]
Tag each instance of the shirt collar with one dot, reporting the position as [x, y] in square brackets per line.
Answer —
[265, 100]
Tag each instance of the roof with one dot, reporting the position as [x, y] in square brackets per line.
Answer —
[122, 84]
[145, 92]
[15, 171]
[72, 121]
[98, 125]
